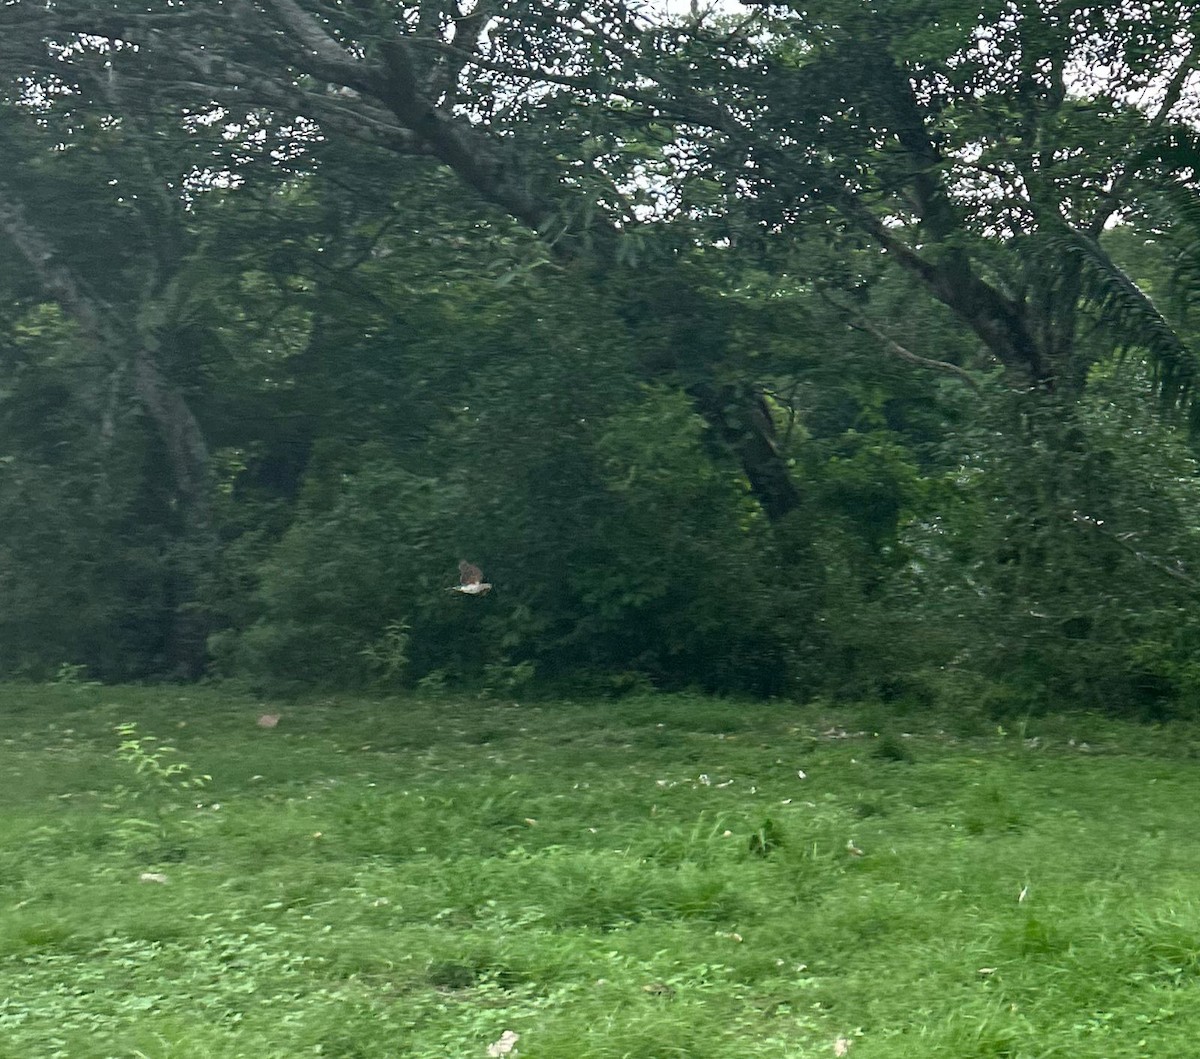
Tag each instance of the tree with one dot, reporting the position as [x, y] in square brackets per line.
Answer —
[726, 194]
[948, 137]
[100, 210]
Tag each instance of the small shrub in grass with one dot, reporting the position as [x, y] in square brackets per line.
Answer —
[889, 747]
[154, 764]
[703, 842]
[450, 974]
[34, 934]
[387, 657]
[767, 838]
[991, 809]
[161, 781]
[1040, 938]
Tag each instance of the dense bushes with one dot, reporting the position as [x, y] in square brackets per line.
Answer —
[619, 554]
[1033, 556]
[1061, 569]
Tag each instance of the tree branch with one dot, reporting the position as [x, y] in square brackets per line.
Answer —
[87, 310]
[1112, 197]
[1122, 541]
[472, 155]
[997, 320]
[857, 322]
[313, 50]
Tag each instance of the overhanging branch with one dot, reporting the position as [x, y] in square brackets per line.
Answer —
[858, 322]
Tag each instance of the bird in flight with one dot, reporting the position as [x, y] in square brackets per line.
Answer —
[470, 580]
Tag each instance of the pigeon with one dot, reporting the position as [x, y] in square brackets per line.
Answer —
[470, 580]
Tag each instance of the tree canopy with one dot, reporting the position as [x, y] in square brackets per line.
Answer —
[782, 348]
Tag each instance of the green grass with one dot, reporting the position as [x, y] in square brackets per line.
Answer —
[646, 879]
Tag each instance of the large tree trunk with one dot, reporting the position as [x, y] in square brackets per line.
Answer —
[183, 440]
[175, 424]
[743, 422]
[188, 458]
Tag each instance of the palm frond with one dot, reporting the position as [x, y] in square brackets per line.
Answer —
[1181, 202]
[1174, 203]
[1176, 148]
[1132, 320]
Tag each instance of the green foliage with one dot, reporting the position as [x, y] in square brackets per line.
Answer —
[766, 839]
[1067, 554]
[154, 763]
[86, 558]
[72, 676]
[648, 581]
[389, 655]
[336, 574]
[629, 341]
[1126, 315]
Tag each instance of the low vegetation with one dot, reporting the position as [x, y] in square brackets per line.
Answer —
[657, 877]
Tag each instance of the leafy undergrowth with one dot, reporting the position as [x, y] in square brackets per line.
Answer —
[661, 877]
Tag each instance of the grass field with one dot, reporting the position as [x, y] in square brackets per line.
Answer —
[659, 877]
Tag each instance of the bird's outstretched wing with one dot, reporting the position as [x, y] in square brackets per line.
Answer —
[470, 580]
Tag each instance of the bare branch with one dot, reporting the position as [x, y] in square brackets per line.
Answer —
[1121, 540]
[467, 30]
[89, 313]
[314, 50]
[471, 154]
[858, 322]
[995, 318]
